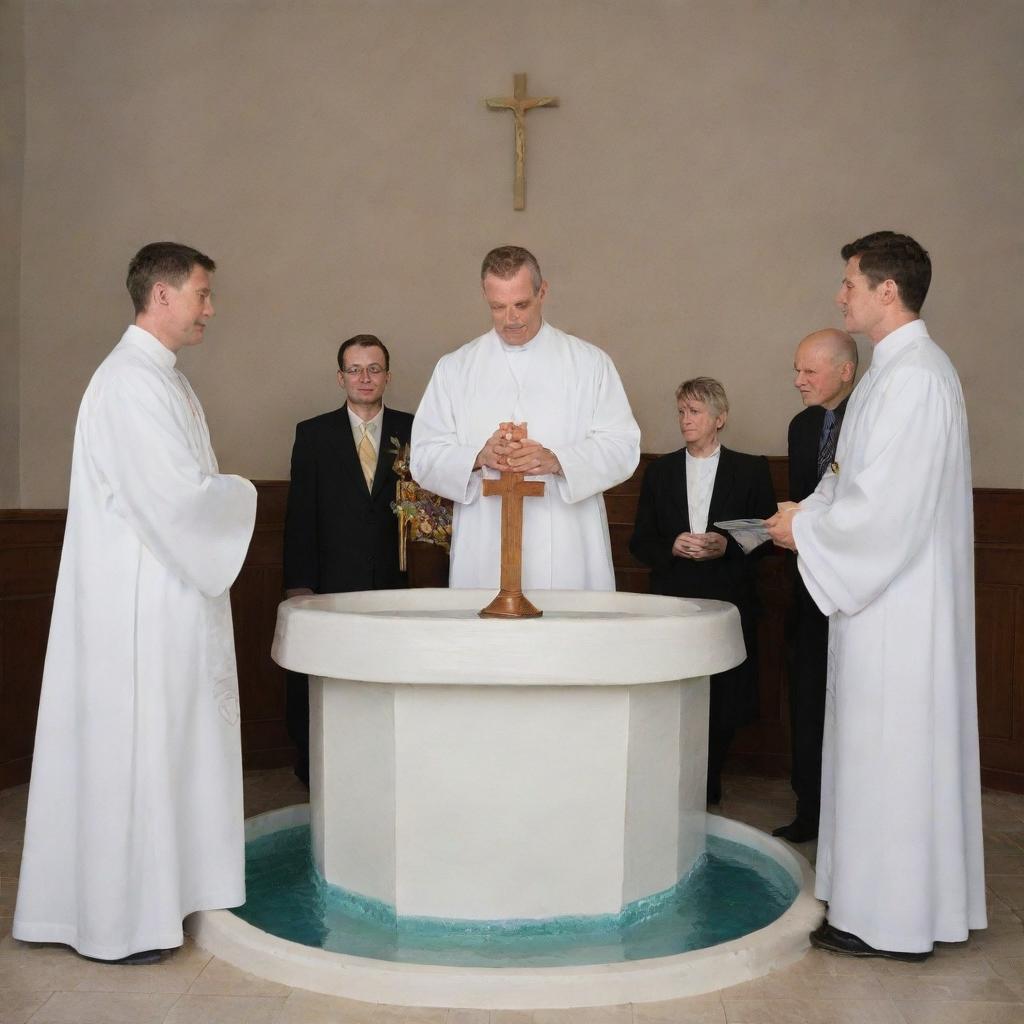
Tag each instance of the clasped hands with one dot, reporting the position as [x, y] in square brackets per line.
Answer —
[509, 450]
[701, 547]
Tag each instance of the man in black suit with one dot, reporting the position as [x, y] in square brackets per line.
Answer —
[825, 367]
[340, 533]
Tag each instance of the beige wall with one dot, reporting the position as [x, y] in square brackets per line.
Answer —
[12, 151]
[687, 199]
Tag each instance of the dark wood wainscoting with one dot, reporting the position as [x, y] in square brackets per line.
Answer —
[762, 747]
[999, 604]
[30, 543]
[254, 599]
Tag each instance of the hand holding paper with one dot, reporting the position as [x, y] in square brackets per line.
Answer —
[748, 533]
[780, 526]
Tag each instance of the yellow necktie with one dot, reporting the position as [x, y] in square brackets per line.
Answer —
[367, 456]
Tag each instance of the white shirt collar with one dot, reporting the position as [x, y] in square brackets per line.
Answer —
[373, 426]
[896, 341]
[526, 346]
[151, 345]
[707, 460]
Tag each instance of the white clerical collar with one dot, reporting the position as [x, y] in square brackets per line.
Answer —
[896, 341]
[151, 345]
[705, 460]
[526, 346]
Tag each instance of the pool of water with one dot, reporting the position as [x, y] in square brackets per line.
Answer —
[730, 892]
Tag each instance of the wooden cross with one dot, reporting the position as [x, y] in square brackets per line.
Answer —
[519, 103]
[510, 602]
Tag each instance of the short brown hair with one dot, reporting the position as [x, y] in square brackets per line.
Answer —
[706, 390]
[363, 341]
[171, 262]
[507, 260]
[887, 256]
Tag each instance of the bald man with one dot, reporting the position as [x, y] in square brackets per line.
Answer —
[824, 370]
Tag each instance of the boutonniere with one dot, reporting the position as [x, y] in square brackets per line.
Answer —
[401, 454]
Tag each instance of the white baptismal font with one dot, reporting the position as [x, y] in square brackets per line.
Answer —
[468, 769]
[507, 769]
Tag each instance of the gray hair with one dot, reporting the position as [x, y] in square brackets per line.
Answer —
[706, 390]
[507, 260]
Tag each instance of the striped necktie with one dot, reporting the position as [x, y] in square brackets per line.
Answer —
[827, 442]
[367, 455]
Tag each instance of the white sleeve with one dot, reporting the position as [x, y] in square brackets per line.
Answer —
[610, 451]
[197, 524]
[438, 461]
[821, 497]
[851, 548]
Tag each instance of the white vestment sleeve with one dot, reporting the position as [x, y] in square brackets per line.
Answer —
[439, 462]
[196, 524]
[611, 449]
[817, 501]
[850, 549]
[821, 497]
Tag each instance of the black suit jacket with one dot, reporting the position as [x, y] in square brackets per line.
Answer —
[804, 435]
[742, 489]
[339, 536]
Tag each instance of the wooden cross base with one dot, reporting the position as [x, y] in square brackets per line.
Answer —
[511, 605]
[510, 602]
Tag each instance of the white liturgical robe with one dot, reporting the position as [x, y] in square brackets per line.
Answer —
[135, 805]
[568, 393]
[886, 550]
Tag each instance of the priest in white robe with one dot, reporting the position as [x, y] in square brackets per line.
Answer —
[135, 805]
[885, 548]
[582, 437]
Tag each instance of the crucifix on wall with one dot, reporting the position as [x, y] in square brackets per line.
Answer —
[519, 103]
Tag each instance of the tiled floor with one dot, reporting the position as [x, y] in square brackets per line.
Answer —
[978, 982]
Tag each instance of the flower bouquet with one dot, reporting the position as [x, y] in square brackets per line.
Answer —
[422, 515]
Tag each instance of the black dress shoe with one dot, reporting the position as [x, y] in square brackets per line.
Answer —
[835, 941]
[797, 831]
[143, 958]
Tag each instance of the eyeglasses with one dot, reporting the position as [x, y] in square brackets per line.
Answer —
[373, 370]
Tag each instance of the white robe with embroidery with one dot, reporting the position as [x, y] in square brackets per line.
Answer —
[886, 550]
[135, 804]
[574, 404]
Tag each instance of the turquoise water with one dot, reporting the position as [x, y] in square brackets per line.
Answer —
[731, 891]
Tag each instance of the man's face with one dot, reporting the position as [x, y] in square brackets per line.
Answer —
[364, 378]
[188, 309]
[515, 308]
[818, 377]
[859, 303]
